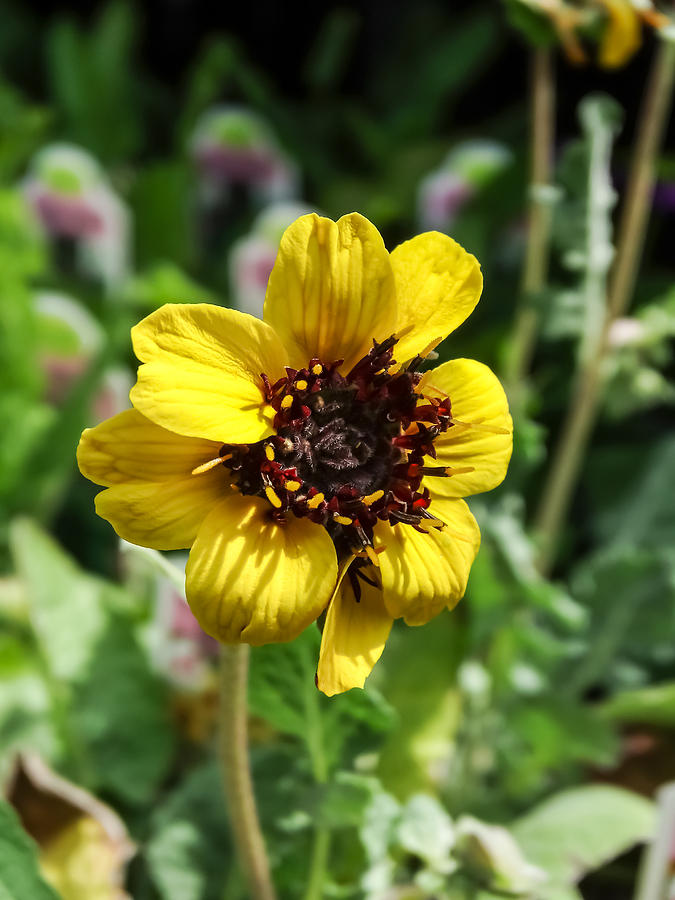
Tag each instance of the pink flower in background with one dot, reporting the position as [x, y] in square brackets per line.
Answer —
[233, 145]
[72, 199]
[68, 338]
[468, 168]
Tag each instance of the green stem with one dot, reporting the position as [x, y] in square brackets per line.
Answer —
[237, 773]
[569, 454]
[322, 837]
[542, 114]
[318, 864]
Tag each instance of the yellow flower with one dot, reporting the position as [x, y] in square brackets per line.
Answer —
[303, 458]
[621, 35]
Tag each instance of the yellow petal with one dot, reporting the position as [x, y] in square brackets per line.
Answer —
[163, 515]
[331, 290]
[253, 581]
[622, 36]
[353, 638]
[423, 573]
[202, 371]
[476, 396]
[437, 286]
[130, 448]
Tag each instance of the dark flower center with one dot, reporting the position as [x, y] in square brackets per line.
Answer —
[348, 449]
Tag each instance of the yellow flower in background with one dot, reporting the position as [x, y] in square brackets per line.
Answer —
[621, 33]
[307, 463]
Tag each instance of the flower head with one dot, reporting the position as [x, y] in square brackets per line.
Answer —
[306, 461]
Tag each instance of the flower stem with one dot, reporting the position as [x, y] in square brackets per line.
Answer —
[322, 836]
[318, 864]
[571, 449]
[633, 224]
[542, 116]
[237, 773]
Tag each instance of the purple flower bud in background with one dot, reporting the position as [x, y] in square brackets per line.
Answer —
[233, 145]
[252, 257]
[468, 168]
[72, 200]
[68, 338]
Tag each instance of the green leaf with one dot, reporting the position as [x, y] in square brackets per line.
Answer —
[25, 703]
[189, 853]
[640, 619]
[115, 708]
[93, 81]
[19, 872]
[166, 283]
[67, 608]
[22, 129]
[161, 202]
[643, 514]
[120, 712]
[653, 705]
[282, 691]
[579, 830]
[426, 830]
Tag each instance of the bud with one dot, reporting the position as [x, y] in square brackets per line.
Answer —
[72, 200]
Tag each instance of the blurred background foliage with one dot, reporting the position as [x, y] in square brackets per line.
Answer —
[155, 153]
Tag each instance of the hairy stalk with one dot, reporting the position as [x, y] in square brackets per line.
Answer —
[633, 224]
[322, 837]
[571, 449]
[237, 773]
[542, 113]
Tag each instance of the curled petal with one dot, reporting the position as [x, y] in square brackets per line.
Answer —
[354, 636]
[424, 573]
[252, 580]
[482, 440]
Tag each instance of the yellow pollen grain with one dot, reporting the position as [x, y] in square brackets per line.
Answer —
[317, 369]
[315, 501]
[287, 401]
[273, 497]
[301, 385]
[292, 486]
[372, 556]
[269, 452]
[211, 464]
[432, 523]
[372, 498]
[343, 520]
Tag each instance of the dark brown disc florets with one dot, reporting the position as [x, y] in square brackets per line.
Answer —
[348, 449]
